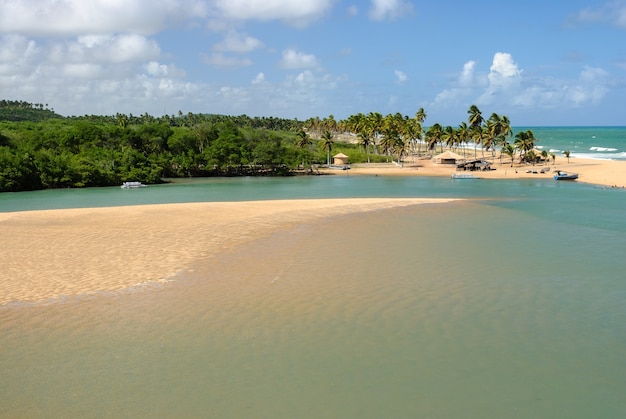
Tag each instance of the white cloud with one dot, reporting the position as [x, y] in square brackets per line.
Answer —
[238, 42]
[112, 49]
[293, 59]
[389, 9]
[467, 75]
[74, 17]
[259, 79]
[83, 71]
[296, 12]
[611, 12]
[16, 49]
[401, 77]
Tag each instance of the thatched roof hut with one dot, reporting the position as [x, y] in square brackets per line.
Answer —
[340, 159]
[448, 157]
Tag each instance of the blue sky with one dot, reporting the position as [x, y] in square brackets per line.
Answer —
[538, 62]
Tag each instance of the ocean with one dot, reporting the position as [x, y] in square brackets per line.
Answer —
[606, 143]
[510, 303]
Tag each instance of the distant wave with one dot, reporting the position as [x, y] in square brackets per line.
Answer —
[600, 156]
[602, 149]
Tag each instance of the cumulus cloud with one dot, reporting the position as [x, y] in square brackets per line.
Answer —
[238, 42]
[259, 79]
[293, 59]
[297, 12]
[389, 9]
[505, 88]
[73, 17]
[504, 77]
[466, 78]
[401, 77]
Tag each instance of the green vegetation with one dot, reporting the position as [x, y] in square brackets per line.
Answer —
[40, 149]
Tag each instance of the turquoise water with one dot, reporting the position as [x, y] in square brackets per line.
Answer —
[607, 143]
[509, 304]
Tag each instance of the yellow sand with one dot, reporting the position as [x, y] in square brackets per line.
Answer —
[53, 253]
[600, 172]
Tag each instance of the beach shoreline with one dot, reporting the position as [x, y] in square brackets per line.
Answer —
[609, 173]
[53, 254]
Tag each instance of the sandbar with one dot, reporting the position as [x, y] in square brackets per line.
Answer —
[610, 173]
[52, 254]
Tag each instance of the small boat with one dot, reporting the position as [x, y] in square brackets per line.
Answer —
[561, 175]
[132, 185]
[464, 176]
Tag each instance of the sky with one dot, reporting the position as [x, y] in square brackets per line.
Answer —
[560, 62]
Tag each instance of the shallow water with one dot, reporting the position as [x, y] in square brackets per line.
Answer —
[501, 307]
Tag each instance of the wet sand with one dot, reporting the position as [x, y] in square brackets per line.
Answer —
[57, 253]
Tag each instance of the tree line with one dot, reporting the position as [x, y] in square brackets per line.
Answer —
[40, 149]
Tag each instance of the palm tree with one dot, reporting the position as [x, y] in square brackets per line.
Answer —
[532, 156]
[463, 134]
[476, 120]
[566, 152]
[508, 150]
[434, 134]
[401, 147]
[524, 142]
[388, 141]
[420, 117]
[327, 141]
[303, 142]
[450, 137]
[544, 155]
[365, 141]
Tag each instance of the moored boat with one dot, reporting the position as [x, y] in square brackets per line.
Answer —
[561, 175]
[464, 176]
[132, 185]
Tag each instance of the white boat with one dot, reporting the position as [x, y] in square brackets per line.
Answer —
[561, 175]
[132, 185]
[464, 176]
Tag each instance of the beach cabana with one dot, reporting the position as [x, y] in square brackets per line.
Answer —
[448, 157]
[340, 159]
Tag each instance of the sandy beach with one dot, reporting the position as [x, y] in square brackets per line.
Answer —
[600, 172]
[56, 253]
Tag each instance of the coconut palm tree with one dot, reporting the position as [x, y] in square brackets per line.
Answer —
[401, 147]
[566, 152]
[476, 120]
[303, 142]
[508, 150]
[419, 118]
[365, 141]
[450, 137]
[420, 115]
[463, 134]
[434, 135]
[326, 142]
[388, 141]
[531, 156]
[544, 155]
[524, 142]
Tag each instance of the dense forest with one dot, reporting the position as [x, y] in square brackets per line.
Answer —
[40, 149]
